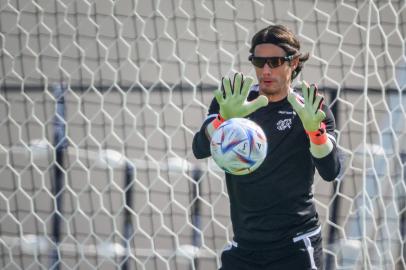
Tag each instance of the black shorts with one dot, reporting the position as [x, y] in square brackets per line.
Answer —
[305, 253]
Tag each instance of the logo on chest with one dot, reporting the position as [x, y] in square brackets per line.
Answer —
[284, 124]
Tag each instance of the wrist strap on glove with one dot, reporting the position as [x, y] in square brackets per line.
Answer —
[319, 136]
[213, 126]
[218, 121]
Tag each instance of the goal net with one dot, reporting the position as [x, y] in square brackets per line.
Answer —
[99, 102]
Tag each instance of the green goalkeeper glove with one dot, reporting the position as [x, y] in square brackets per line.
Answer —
[310, 112]
[233, 102]
[311, 115]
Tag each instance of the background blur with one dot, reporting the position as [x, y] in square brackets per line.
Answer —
[99, 101]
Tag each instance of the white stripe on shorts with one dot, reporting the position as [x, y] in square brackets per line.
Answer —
[306, 239]
[230, 245]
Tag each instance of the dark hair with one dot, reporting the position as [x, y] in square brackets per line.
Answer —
[281, 36]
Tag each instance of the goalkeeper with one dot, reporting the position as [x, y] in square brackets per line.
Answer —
[274, 218]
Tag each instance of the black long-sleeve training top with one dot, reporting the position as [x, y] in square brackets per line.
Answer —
[274, 203]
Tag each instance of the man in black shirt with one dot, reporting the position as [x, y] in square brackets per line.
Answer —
[274, 218]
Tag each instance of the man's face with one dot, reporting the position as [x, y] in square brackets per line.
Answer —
[274, 82]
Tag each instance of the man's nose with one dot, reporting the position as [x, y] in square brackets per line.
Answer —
[266, 69]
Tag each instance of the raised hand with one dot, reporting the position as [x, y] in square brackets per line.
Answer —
[309, 112]
[233, 101]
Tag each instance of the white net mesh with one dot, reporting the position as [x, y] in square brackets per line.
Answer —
[99, 102]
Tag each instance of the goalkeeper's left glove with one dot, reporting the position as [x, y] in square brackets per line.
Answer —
[311, 115]
[310, 112]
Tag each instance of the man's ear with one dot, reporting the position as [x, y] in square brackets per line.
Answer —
[294, 63]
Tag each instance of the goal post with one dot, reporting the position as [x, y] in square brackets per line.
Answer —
[99, 102]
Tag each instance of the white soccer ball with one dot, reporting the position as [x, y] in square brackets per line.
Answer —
[239, 146]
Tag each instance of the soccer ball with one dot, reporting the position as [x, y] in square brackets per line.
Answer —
[238, 146]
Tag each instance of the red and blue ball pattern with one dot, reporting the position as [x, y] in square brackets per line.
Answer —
[239, 146]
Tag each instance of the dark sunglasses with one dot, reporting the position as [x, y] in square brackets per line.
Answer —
[272, 62]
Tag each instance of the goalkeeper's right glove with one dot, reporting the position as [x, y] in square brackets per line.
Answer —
[233, 101]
